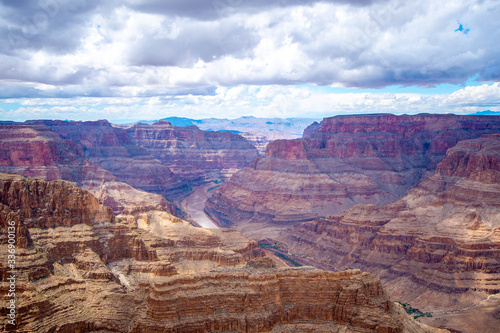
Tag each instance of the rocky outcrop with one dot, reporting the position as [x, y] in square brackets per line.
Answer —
[213, 247]
[62, 219]
[437, 248]
[111, 149]
[120, 164]
[347, 160]
[46, 204]
[311, 129]
[252, 300]
[80, 270]
[94, 155]
[194, 155]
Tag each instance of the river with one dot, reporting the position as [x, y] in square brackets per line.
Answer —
[194, 204]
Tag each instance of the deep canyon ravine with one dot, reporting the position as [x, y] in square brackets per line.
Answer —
[194, 205]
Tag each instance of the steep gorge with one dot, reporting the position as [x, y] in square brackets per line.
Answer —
[80, 269]
[346, 160]
[193, 155]
[437, 248]
[140, 166]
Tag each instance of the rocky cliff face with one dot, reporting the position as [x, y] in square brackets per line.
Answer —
[437, 248]
[346, 160]
[48, 204]
[94, 155]
[81, 270]
[122, 167]
[111, 149]
[258, 131]
[194, 155]
[311, 129]
[36, 151]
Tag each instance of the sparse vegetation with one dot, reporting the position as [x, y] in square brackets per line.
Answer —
[218, 182]
[416, 313]
[274, 245]
[276, 249]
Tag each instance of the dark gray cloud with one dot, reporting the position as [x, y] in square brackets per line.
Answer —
[491, 73]
[14, 91]
[53, 25]
[64, 48]
[194, 42]
[217, 9]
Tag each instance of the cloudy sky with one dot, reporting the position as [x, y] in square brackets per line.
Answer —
[149, 59]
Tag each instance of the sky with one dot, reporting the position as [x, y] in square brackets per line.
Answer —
[149, 59]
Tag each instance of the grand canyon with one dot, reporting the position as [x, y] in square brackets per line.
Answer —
[250, 166]
[366, 223]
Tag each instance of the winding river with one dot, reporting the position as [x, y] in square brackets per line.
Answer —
[194, 204]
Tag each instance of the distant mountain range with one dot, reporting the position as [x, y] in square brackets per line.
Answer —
[289, 127]
[259, 131]
[486, 113]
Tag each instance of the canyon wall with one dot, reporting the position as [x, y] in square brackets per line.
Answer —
[111, 149]
[193, 155]
[80, 269]
[344, 161]
[437, 248]
[258, 131]
[94, 155]
[123, 167]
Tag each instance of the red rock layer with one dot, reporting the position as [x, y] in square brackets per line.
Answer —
[347, 160]
[111, 149]
[37, 203]
[250, 300]
[79, 271]
[35, 151]
[95, 155]
[193, 155]
[437, 248]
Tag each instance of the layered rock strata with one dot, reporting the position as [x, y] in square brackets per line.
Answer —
[259, 131]
[80, 270]
[265, 300]
[123, 167]
[437, 248]
[194, 155]
[94, 155]
[111, 149]
[260, 142]
[344, 161]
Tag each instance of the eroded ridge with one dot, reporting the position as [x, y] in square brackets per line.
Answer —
[82, 269]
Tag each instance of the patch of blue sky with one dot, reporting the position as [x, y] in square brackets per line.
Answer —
[441, 89]
[6, 107]
[461, 28]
